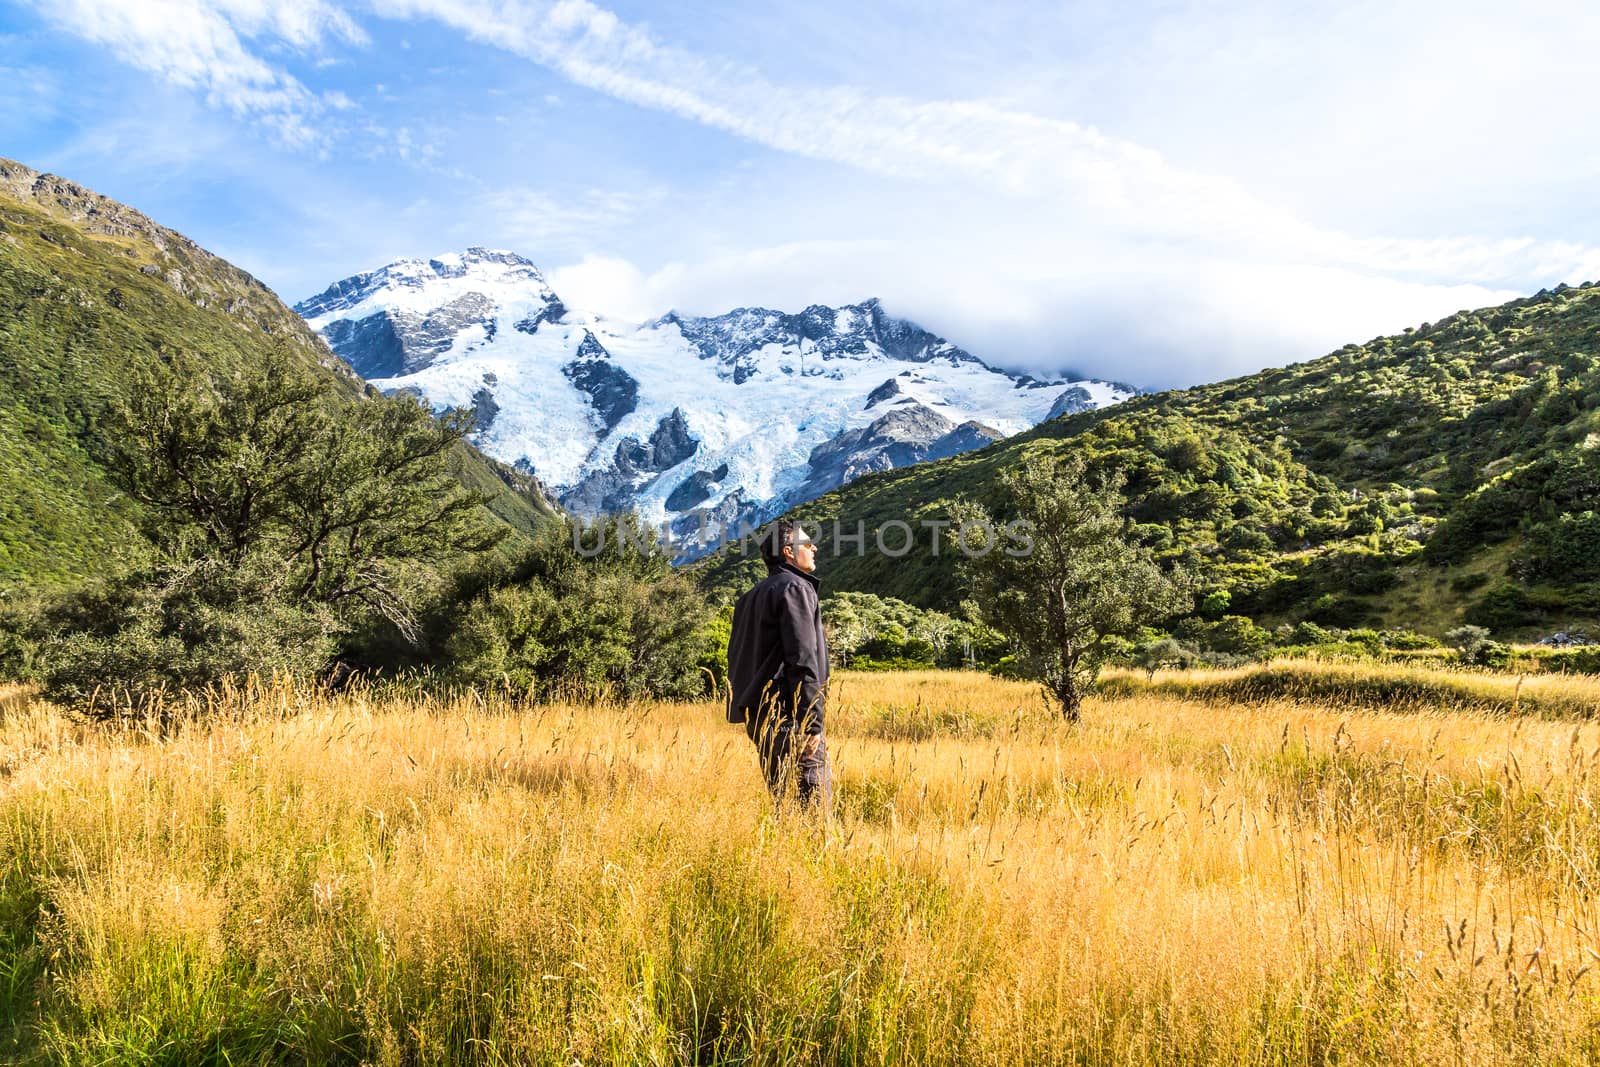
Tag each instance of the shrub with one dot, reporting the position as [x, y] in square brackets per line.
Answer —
[1407, 640]
[1337, 610]
[621, 623]
[1508, 606]
[1166, 652]
[1467, 641]
[1309, 633]
[1492, 654]
[134, 640]
[1566, 550]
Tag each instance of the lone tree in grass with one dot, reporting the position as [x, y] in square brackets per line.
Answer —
[1081, 580]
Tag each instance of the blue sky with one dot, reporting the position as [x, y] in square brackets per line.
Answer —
[1162, 193]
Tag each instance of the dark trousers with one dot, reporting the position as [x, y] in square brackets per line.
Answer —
[795, 763]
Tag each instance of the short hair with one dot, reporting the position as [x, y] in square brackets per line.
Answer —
[774, 537]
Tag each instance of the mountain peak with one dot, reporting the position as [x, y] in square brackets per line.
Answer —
[476, 268]
[735, 415]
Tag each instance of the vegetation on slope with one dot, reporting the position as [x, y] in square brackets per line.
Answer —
[193, 489]
[91, 292]
[1449, 474]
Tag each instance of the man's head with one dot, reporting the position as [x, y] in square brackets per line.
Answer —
[785, 541]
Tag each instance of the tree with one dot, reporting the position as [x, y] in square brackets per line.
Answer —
[353, 500]
[283, 518]
[1076, 579]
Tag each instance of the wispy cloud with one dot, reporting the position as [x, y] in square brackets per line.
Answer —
[567, 225]
[202, 45]
[1107, 183]
[1242, 176]
[1086, 180]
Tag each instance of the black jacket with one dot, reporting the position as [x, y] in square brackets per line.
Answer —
[777, 653]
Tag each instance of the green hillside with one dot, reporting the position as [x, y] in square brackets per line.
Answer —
[1449, 474]
[89, 289]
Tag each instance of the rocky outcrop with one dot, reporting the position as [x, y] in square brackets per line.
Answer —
[695, 489]
[634, 464]
[900, 437]
[855, 330]
[394, 343]
[484, 409]
[700, 530]
[612, 391]
[964, 438]
[668, 446]
[887, 391]
[1071, 401]
[553, 311]
[370, 345]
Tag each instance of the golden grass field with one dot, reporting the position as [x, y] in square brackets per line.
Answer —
[1181, 879]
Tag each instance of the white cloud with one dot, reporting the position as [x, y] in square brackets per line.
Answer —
[1263, 230]
[1175, 317]
[201, 45]
[609, 286]
[1110, 184]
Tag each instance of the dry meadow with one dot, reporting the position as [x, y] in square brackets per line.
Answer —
[1190, 876]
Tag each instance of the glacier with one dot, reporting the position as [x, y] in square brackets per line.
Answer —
[688, 420]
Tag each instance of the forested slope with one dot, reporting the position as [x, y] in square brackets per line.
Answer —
[1448, 474]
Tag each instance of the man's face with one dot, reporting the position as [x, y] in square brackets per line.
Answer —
[803, 555]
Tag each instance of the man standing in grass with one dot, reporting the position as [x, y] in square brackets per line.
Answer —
[778, 669]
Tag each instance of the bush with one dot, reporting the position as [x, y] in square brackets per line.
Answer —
[1309, 633]
[1233, 637]
[19, 640]
[1336, 610]
[1508, 606]
[1166, 652]
[1370, 640]
[621, 624]
[884, 629]
[1407, 640]
[133, 641]
[1240, 636]
[1327, 506]
[1216, 604]
[1566, 550]
[1467, 641]
[1584, 660]
[1492, 654]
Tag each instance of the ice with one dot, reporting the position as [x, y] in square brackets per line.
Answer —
[764, 428]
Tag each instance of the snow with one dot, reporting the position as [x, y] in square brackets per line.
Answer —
[764, 428]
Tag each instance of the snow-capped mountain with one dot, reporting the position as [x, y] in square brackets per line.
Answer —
[698, 423]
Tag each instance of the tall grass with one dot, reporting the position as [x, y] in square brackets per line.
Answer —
[1373, 685]
[399, 878]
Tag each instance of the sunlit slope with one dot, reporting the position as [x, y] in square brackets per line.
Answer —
[88, 289]
[1446, 474]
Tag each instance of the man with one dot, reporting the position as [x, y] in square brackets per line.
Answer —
[778, 669]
